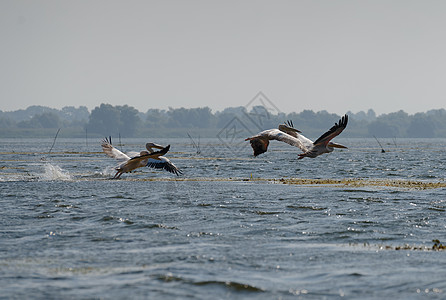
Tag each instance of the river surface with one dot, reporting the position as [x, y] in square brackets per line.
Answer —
[231, 227]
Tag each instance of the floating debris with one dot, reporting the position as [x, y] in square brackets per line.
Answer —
[438, 246]
[357, 182]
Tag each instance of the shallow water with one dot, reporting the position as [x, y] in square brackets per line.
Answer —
[232, 226]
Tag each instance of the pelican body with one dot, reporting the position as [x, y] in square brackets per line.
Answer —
[290, 135]
[132, 160]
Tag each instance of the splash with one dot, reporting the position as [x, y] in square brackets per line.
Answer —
[54, 172]
[108, 171]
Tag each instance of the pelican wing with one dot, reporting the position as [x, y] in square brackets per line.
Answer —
[163, 163]
[132, 153]
[260, 142]
[332, 132]
[288, 128]
[112, 152]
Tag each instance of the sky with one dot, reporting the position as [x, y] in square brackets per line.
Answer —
[338, 56]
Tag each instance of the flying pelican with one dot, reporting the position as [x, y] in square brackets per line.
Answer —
[161, 162]
[131, 161]
[288, 134]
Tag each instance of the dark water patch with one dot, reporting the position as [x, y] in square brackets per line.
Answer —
[119, 197]
[437, 208]
[236, 286]
[367, 199]
[367, 222]
[306, 207]
[161, 226]
[232, 285]
[202, 233]
[262, 213]
[79, 218]
[358, 191]
[67, 206]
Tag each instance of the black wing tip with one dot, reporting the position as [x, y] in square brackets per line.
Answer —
[289, 123]
[107, 140]
[345, 119]
[342, 122]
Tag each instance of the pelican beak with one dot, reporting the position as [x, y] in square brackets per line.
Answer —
[337, 145]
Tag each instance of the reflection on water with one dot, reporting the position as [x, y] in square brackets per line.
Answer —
[356, 223]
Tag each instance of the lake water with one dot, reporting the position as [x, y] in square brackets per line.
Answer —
[351, 224]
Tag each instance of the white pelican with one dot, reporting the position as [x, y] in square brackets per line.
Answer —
[288, 134]
[132, 160]
[161, 162]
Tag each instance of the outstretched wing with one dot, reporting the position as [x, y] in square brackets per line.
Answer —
[332, 132]
[260, 142]
[112, 152]
[288, 128]
[163, 163]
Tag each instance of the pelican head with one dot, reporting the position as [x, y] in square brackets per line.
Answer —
[334, 145]
[149, 147]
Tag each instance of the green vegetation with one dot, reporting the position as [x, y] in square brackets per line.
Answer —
[126, 121]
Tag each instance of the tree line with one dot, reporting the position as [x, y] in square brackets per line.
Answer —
[127, 121]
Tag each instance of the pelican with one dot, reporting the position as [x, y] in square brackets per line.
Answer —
[290, 135]
[132, 160]
[161, 162]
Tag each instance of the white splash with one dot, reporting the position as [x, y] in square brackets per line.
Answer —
[54, 172]
[108, 171]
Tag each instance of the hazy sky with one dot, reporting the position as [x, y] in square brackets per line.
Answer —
[320, 55]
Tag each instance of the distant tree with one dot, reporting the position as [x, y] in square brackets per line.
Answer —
[129, 120]
[44, 120]
[156, 118]
[363, 116]
[104, 119]
[110, 120]
[390, 125]
[6, 122]
[371, 115]
[72, 114]
[381, 128]
[421, 126]
[190, 118]
[223, 118]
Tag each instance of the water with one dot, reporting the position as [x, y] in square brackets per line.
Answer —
[228, 228]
